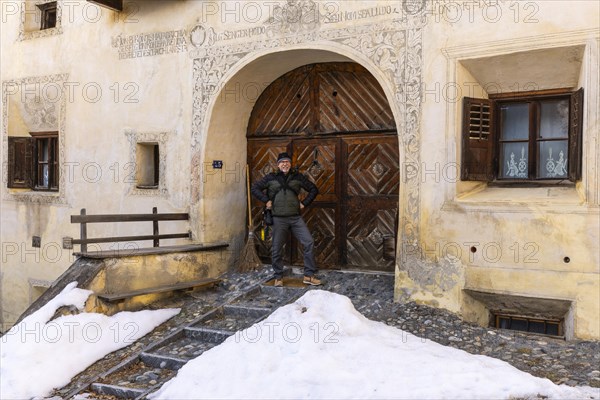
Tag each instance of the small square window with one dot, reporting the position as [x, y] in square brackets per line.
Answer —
[48, 17]
[147, 165]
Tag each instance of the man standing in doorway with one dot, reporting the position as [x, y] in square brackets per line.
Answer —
[282, 189]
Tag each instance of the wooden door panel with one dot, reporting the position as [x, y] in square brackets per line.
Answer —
[316, 159]
[285, 107]
[334, 119]
[372, 167]
[371, 201]
[369, 233]
[352, 101]
[321, 222]
[262, 156]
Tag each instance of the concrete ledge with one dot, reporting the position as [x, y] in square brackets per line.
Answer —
[153, 250]
[110, 297]
[521, 305]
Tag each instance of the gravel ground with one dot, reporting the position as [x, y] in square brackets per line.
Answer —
[573, 362]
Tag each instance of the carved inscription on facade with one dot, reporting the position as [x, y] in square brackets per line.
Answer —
[150, 44]
[394, 45]
[364, 14]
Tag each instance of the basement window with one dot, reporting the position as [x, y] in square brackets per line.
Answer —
[548, 327]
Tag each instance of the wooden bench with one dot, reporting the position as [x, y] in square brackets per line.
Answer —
[116, 297]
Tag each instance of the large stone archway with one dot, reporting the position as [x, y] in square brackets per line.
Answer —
[227, 82]
[336, 123]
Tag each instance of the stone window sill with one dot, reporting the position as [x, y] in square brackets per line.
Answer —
[560, 199]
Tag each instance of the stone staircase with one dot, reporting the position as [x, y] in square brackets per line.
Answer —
[147, 370]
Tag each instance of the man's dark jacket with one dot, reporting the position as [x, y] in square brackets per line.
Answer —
[283, 190]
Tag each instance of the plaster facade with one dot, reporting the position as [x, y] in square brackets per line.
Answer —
[186, 75]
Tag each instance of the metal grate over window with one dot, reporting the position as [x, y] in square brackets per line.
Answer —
[532, 325]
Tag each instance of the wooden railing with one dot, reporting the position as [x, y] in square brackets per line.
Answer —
[83, 219]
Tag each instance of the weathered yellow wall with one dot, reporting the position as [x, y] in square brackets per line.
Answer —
[148, 97]
[522, 235]
[126, 274]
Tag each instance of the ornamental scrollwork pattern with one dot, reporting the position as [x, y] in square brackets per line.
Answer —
[26, 35]
[46, 114]
[395, 46]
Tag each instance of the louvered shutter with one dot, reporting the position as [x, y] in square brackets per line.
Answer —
[20, 162]
[478, 140]
[575, 135]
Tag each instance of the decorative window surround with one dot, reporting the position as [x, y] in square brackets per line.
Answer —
[26, 35]
[36, 196]
[134, 139]
[587, 189]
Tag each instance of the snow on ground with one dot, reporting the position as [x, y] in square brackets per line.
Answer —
[38, 355]
[321, 347]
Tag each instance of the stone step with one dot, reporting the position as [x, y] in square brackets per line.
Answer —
[231, 318]
[246, 311]
[132, 379]
[185, 348]
[266, 297]
[217, 336]
[158, 363]
[120, 392]
[161, 361]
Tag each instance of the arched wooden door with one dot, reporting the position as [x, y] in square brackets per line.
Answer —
[335, 121]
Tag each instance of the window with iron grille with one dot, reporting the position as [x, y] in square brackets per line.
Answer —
[531, 325]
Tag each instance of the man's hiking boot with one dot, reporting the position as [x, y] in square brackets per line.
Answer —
[278, 282]
[311, 280]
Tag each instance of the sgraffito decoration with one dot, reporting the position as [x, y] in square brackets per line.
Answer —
[41, 112]
[394, 45]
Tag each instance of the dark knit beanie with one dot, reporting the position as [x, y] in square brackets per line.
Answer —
[283, 157]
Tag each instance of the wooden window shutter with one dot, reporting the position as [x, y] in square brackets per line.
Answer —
[20, 161]
[478, 140]
[116, 5]
[575, 135]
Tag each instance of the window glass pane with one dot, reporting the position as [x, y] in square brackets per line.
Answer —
[519, 324]
[553, 159]
[45, 177]
[43, 150]
[515, 121]
[554, 120]
[504, 323]
[515, 158]
[552, 328]
[537, 327]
